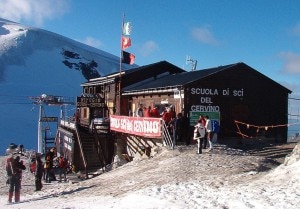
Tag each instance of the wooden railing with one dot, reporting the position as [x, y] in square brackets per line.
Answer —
[81, 151]
[166, 137]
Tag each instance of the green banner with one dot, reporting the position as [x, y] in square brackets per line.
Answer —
[194, 116]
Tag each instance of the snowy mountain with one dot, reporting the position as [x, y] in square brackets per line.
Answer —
[35, 62]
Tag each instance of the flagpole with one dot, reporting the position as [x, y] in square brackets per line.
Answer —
[120, 67]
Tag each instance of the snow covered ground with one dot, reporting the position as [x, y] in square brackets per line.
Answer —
[224, 178]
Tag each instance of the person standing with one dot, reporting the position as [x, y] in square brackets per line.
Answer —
[178, 129]
[147, 112]
[167, 115]
[186, 127]
[139, 111]
[208, 127]
[14, 169]
[39, 171]
[199, 134]
[172, 111]
[49, 169]
[202, 120]
[62, 166]
[154, 112]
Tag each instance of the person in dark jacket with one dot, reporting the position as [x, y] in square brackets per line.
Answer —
[39, 171]
[49, 170]
[14, 169]
[178, 129]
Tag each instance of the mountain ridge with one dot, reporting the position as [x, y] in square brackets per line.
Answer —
[35, 61]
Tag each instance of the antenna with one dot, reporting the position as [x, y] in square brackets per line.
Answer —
[191, 62]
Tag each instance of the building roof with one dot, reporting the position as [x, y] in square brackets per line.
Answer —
[169, 83]
[173, 81]
[130, 76]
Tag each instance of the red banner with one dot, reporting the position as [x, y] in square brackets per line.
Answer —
[148, 127]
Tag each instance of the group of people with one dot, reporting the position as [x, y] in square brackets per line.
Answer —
[167, 114]
[203, 133]
[41, 169]
[175, 123]
[178, 126]
[61, 163]
[142, 111]
[45, 170]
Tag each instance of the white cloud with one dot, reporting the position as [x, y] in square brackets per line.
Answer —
[291, 62]
[204, 35]
[35, 11]
[91, 42]
[148, 48]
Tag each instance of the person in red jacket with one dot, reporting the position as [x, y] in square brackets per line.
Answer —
[14, 169]
[167, 115]
[155, 112]
[62, 166]
[147, 112]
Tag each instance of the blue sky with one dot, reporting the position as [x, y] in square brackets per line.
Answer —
[265, 34]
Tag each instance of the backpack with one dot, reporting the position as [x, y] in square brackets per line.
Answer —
[9, 166]
[32, 167]
[215, 126]
[47, 165]
[62, 162]
[196, 133]
[199, 131]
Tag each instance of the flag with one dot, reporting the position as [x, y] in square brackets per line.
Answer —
[127, 28]
[127, 58]
[126, 42]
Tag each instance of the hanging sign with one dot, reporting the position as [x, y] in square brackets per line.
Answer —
[141, 126]
[49, 119]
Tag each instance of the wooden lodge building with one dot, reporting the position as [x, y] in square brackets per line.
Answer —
[245, 102]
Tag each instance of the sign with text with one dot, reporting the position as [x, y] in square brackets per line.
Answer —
[204, 101]
[49, 119]
[194, 116]
[90, 101]
[148, 127]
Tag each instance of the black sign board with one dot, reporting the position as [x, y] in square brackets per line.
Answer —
[90, 102]
[49, 119]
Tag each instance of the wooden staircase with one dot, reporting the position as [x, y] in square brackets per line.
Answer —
[91, 150]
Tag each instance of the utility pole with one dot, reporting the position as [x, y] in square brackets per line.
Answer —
[51, 101]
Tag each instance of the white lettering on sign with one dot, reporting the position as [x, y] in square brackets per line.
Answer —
[140, 126]
[206, 103]
[226, 92]
[115, 122]
[206, 100]
[203, 108]
[204, 91]
[238, 93]
[215, 92]
[68, 143]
